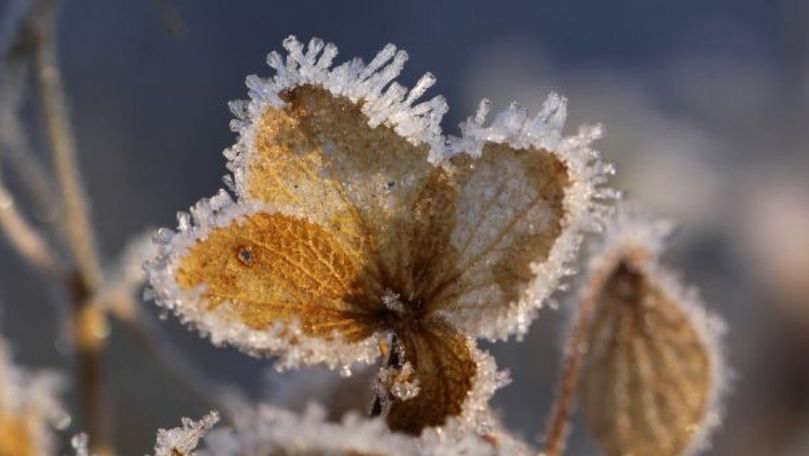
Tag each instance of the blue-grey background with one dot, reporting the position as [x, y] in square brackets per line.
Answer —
[706, 105]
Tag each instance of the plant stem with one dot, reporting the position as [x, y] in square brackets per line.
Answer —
[88, 321]
[394, 359]
[28, 242]
[575, 349]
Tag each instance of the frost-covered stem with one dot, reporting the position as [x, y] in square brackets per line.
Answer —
[575, 349]
[23, 237]
[16, 147]
[393, 359]
[88, 321]
[63, 147]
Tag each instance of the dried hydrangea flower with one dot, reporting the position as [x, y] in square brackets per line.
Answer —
[268, 430]
[182, 441]
[356, 219]
[27, 406]
[651, 374]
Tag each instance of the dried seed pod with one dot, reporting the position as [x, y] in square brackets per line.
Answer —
[650, 374]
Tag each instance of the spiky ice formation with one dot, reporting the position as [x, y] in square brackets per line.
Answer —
[184, 440]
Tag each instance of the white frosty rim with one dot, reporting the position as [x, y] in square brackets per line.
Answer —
[283, 339]
[630, 229]
[584, 202]
[266, 429]
[476, 417]
[385, 101]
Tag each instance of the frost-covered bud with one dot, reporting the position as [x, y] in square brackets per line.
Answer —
[652, 372]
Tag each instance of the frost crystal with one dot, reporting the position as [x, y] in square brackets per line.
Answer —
[399, 381]
[183, 441]
[79, 444]
[268, 430]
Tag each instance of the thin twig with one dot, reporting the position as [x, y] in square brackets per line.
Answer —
[16, 48]
[25, 239]
[81, 241]
[575, 350]
[88, 321]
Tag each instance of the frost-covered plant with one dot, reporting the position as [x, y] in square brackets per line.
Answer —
[643, 353]
[352, 229]
[357, 223]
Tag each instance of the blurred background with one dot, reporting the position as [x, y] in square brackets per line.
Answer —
[706, 105]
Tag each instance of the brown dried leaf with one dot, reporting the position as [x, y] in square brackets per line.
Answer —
[462, 239]
[274, 268]
[510, 211]
[647, 378]
[445, 372]
[318, 155]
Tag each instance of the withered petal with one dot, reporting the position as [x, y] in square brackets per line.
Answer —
[318, 155]
[275, 268]
[647, 379]
[510, 213]
[445, 371]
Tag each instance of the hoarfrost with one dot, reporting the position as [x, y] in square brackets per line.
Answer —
[184, 440]
[269, 430]
[79, 444]
[400, 382]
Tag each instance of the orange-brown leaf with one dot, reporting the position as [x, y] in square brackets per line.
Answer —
[445, 369]
[278, 268]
